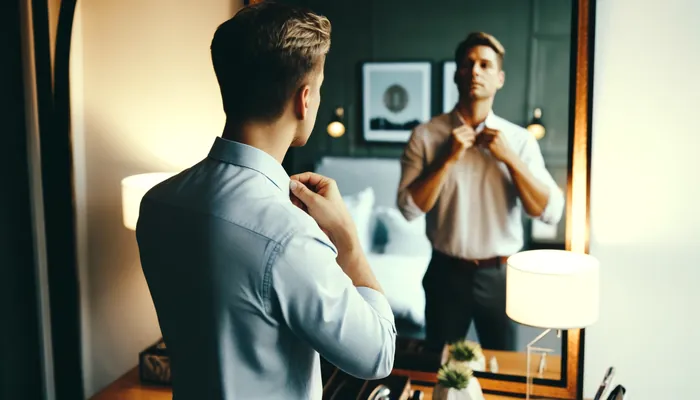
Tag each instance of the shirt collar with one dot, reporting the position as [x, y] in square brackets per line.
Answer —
[246, 156]
[456, 122]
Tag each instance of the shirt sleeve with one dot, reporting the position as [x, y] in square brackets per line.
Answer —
[353, 328]
[412, 164]
[532, 157]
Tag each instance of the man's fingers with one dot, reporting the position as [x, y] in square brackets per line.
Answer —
[490, 131]
[303, 193]
[460, 135]
[309, 178]
[469, 135]
[465, 137]
[464, 132]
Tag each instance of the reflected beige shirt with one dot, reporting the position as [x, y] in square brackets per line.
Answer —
[478, 213]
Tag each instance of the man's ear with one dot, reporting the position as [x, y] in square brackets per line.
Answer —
[301, 102]
[501, 78]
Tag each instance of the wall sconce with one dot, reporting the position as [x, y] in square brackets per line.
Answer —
[536, 126]
[336, 128]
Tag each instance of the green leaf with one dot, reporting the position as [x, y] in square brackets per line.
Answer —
[465, 350]
[454, 375]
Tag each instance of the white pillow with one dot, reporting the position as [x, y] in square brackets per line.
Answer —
[360, 206]
[401, 278]
[404, 237]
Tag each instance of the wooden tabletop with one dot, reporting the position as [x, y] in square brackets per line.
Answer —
[128, 387]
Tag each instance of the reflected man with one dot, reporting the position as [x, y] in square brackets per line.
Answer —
[473, 174]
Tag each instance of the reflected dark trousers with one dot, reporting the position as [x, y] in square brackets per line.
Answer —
[458, 291]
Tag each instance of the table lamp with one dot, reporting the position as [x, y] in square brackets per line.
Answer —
[133, 189]
[551, 289]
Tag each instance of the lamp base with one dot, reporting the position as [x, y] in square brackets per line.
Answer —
[530, 349]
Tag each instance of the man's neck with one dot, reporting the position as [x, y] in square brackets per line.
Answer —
[475, 112]
[269, 138]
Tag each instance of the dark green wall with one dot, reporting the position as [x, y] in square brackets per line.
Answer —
[389, 30]
[535, 33]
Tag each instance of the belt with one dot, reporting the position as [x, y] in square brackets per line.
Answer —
[485, 262]
[489, 262]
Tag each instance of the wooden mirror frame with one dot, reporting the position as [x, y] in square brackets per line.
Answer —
[570, 385]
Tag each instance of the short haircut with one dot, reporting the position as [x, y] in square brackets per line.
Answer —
[263, 54]
[479, 39]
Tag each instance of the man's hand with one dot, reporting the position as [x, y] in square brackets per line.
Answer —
[319, 197]
[425, 187]
[496, 142]
[461, 139]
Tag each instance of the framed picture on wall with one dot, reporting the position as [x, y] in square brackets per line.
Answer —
[395, 99]
[450, 95]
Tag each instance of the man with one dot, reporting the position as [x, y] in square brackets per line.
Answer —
[248, 287]
[473, 173]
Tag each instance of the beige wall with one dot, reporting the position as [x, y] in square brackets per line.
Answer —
[145, 99]
[645, 223]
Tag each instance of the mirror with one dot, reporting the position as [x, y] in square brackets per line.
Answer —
[392, 68]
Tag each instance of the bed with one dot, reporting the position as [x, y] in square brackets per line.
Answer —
[397, 250]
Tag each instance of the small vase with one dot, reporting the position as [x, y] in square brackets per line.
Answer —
[478, 365]
[471, 392]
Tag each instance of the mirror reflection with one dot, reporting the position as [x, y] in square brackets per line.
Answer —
[446, 126]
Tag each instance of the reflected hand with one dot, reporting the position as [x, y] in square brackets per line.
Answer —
[496, 142]
[461, 139]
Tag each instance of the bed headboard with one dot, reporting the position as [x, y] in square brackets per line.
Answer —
[353, 174]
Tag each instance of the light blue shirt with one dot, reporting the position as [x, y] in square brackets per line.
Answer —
[247, 288]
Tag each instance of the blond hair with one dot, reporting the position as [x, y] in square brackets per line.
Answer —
[264, 54]
[480, 39]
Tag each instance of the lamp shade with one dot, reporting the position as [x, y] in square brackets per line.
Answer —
[554, 289]
[133, 189]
